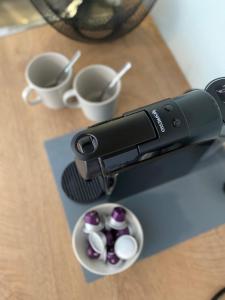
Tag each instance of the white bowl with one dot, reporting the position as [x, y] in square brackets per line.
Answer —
[79, 242]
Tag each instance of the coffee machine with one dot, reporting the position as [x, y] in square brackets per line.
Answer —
[150, 137]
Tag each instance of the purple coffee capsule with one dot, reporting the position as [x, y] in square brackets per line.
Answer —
[110, 237]
[92, 222]
[121, 232]
[92, 218]
[112, 258]
[119, 214]
[91, 253]
[118, 219]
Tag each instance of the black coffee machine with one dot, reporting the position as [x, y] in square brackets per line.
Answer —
[162, 140]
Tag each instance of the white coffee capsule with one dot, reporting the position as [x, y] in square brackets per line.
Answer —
[103, 255]
[126, 247]
[88, 228]
[97, 241]
[111, 223]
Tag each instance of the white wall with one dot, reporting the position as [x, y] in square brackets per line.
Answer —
[194, 30]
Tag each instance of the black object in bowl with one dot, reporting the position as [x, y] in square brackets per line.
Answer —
[94, 21]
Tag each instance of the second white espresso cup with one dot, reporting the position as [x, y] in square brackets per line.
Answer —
[89, 83]
[39, 72]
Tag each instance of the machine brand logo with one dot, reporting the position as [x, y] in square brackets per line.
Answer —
[159, 121]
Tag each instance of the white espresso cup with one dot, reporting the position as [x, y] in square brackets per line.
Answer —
[88, 84]
[42, 70]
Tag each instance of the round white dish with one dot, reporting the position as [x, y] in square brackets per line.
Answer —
[79, 242]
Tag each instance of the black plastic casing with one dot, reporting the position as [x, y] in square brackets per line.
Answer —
[110, 147]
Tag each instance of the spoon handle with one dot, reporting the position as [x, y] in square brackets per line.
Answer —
[120, 74]
[64, 72]
[72, 61]
[69, 65]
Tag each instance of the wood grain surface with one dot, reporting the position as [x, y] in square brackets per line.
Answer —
[36, 258]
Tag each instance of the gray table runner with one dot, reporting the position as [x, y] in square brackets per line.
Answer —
[176, 197]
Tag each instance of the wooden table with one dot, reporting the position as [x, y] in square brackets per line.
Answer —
[36, 258]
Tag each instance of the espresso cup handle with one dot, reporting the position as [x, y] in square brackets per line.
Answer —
[69, 94]
[26, 94]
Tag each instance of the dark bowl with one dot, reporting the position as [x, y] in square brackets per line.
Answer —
[94, 21]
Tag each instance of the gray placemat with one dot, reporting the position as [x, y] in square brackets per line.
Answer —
[175, 197]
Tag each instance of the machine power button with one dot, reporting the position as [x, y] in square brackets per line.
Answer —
[176, 123]
[168, 108]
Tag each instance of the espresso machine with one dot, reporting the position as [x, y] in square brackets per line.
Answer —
[162, 140]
